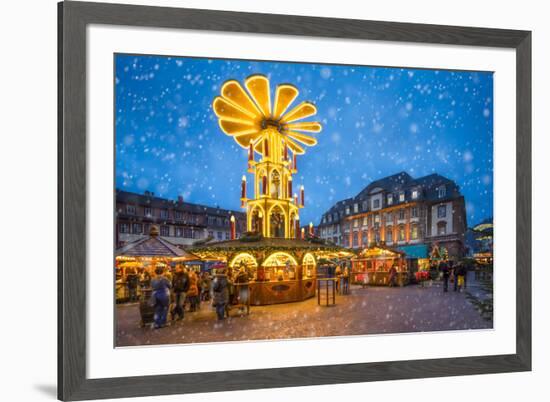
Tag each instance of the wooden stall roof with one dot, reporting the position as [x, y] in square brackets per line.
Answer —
[155, 246]
[377, 251]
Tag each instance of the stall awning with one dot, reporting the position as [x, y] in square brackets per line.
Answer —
[415, 251]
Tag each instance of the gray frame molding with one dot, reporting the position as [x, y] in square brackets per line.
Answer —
[73, 17]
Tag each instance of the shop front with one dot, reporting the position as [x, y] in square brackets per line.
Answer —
[380, 266]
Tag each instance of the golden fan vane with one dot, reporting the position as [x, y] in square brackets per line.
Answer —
[249, 117]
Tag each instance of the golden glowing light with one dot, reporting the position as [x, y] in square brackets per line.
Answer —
[249, 116]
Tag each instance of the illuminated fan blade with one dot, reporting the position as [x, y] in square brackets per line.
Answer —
[304, 109]
[244, 139]
[225, 109]
[240, 127]
[234, 92]
[297, 149]
[311, 127]
[258, 86]
[303, 138]
[284, 96]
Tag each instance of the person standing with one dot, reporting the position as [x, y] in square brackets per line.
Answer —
[205, 288]
[392, 280]
[132, 282]
[180, 286]
[161, 297]
[460, 275]
[444, 269]
[220, 291]
[193, 291]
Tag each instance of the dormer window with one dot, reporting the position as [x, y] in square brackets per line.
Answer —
[390, 199]
[441, 191]
[355, 208]
[414, 194]
[376, 203]
[131, 209]
[347, 210]
[401, 196]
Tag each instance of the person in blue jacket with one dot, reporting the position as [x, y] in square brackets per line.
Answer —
[160, 297]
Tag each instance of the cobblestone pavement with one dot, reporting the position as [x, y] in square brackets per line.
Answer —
[374, 310]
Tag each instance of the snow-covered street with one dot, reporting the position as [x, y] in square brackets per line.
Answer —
[375, 310]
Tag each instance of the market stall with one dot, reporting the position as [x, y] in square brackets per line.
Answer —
[376, 263]
[279, 270]
[136, 261]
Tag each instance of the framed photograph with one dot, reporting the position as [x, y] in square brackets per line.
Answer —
[257, 201]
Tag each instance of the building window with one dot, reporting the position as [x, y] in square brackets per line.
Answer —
[377, 236]
[220, 235]
[137, 228]
[441, 211]
[365, 221]
[165, 231]
[211, 234]
[401, 196]
[441, 191]
[131, 209]
[356, 223]
[364, 238]
[390, 199]
[124, 228]
[389, 217]
[226, 235]
[163, 214]
[389, 235]
[147, 212]
[376, 218]
[196, 234]
[414, 212]
[401, 214]
[179, 215]
[355, 239]
[355, 208]
[376, 203]
[401, 233]
[188, 233]
[179, 232]
[365, 206]
[347, 210]
[414, 232]
[414, 194]
[441, 228]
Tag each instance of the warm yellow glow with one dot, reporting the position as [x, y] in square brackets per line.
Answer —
[279, 259]
[232, 218]
[272, 129]
[250, 116]
[245, 258]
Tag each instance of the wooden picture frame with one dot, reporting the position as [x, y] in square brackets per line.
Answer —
[74, 17]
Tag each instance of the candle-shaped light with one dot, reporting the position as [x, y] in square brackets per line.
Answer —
[297, 226]
[260, 221]
[250, 152]
[303, 234]
[311, 229]
[295, 199]
[289, 191]
[243, 187]
[233, 228]
[302, 196]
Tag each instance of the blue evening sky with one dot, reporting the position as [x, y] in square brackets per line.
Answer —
[377, 121]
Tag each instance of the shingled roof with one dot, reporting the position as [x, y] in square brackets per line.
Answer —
[154, 246]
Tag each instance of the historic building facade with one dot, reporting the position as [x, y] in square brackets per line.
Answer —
[180, 222]
[400, 211]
